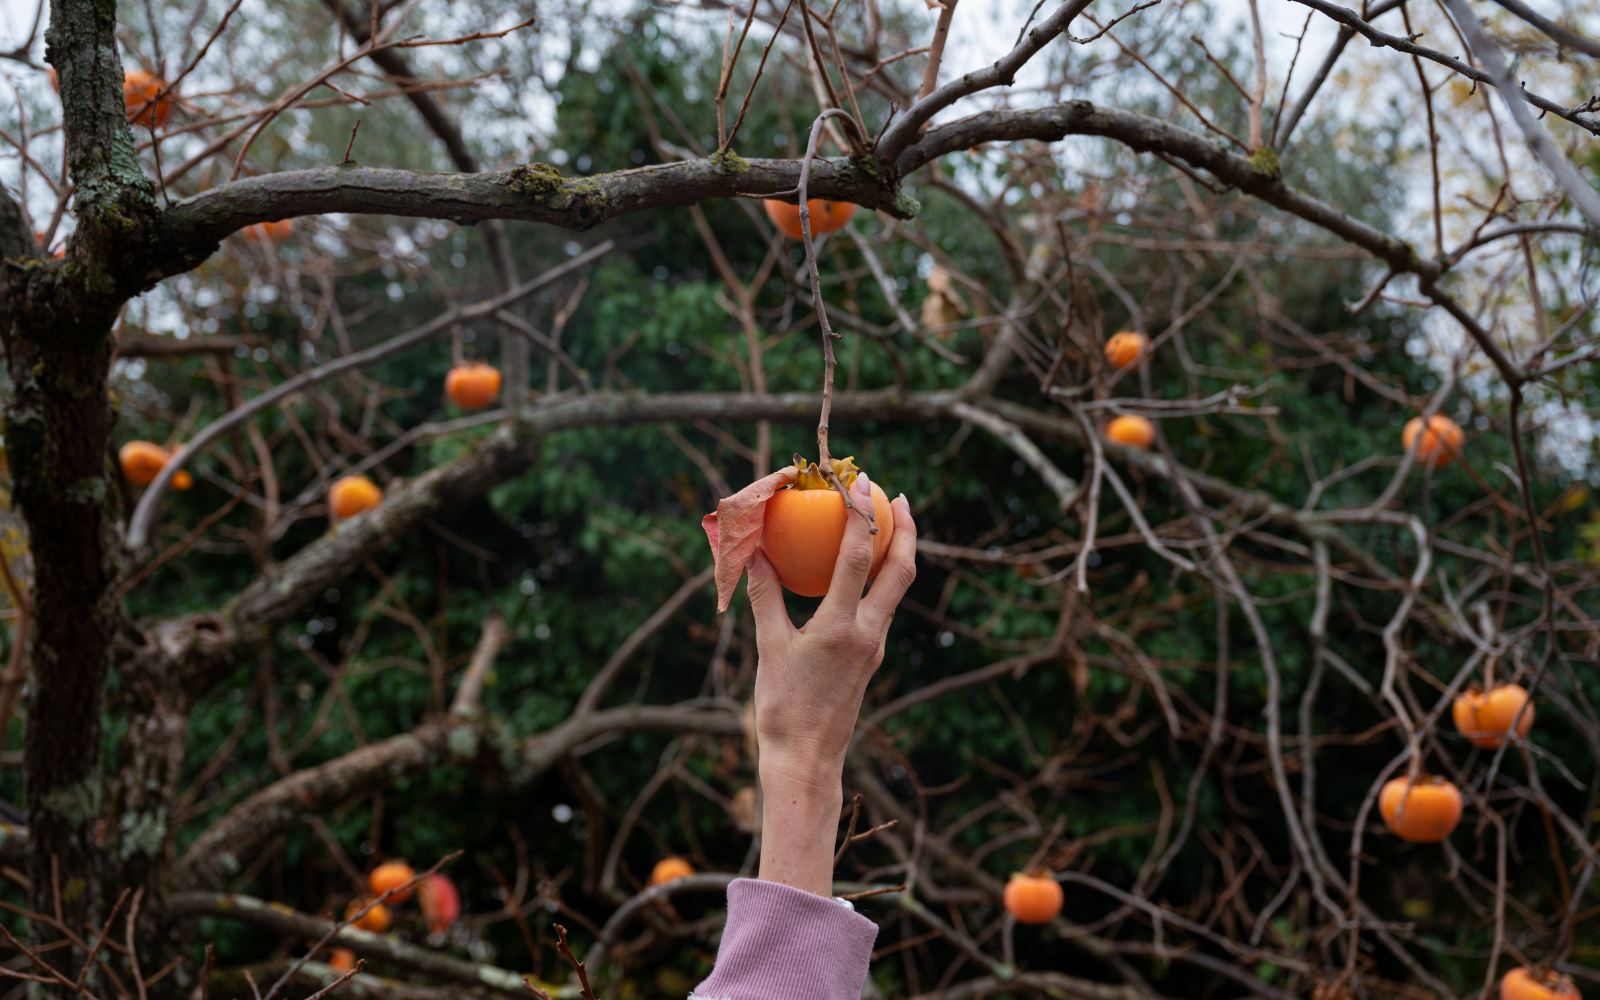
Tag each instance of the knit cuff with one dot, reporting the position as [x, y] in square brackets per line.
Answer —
[782, 943]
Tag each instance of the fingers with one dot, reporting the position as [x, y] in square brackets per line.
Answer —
[899, 569]
[855, 558]
[766, 599]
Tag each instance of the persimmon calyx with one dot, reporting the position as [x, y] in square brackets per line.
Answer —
[811, 478]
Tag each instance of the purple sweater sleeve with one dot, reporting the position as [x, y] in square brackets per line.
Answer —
[783, 943]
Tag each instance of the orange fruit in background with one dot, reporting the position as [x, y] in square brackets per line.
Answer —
[1033, 899]
[1131, 431]
[376, 920]
[348, 497]
[670, 870]
[390, 874]
[1124, 348]
[143, 461]
[1441, 441]
[1538, 984]
[472, 387]
[342, 959]
[804, 527]
[1476, 712]
[275, 232]
[60, 252]
[826, 216]
[138, 90]
[1431, 809]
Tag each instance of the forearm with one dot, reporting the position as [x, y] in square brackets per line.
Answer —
[799, 821]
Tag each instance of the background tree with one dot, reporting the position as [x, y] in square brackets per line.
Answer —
[1173, 677]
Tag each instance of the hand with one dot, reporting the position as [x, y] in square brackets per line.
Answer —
[809, 686]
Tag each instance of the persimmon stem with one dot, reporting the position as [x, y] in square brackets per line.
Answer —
[829, 361]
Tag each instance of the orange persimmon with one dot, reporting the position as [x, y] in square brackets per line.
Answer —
[1485, 718]
[670, 870]
[143, 461]
[1424, 815]
[1131, 430]
[1033, 899]
[826, 216]
[1538, 984]
[342, 959]
[139, 89]
[390, 874]
[472, 387]
[376, 919]
[270, 232]
[351, 495]
[1441, 442]
[59, 253]
[1124, 348]
[804, 526]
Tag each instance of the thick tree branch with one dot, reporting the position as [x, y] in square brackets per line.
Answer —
[903, 131]
[221, 851]
[1152, 135]
[191, 229]
[281, 920]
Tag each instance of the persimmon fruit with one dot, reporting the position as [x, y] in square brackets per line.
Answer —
[139, 89]
[390, 874]
[376, 919]
[270, 232]
[1033, 899]
[670, 870]
[472, 387]
[348, 497]
[142, 462]
[342, 959]
[1123, 349]
[826, 216]
[59, 253]
[440, 902]
[1524, 983]
[1132, 431]
[1441, 441]
[804, 526]
[1426, 814]
[1485, 718]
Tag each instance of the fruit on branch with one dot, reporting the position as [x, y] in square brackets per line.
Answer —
[375, 919]
[59, 253]
[348, 497]
[1426, 814]
[270, 232]
[1131, 431]
[390, 874]
[143, 461]
[1033, 899]
[1441, 441]
[1538, 984]
[472, 387]
[670, 870]
[440, 902]
[1485, 718]
[826, 216]
[342, 959]
[139, 89]
[804, 526]
[1123, 349]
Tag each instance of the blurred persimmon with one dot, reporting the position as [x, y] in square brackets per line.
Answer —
[826, 216]
[142, 462]
[1441, 442]
[1123, 349]
[348, 497]
[1131, 430]
[1033, 899]
[1426, 814]
[1485, 718]
[139, 90]
[472, 387]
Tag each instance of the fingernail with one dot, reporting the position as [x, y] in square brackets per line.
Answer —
[862, 487]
